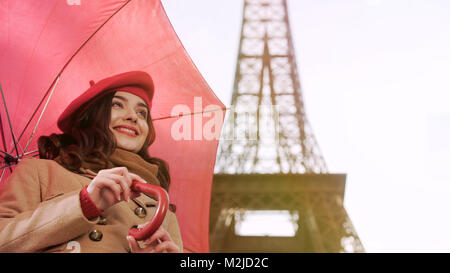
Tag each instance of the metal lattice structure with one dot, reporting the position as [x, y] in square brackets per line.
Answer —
[267, 130]
[268, 157]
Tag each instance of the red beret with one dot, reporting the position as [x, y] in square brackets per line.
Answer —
[138, 83]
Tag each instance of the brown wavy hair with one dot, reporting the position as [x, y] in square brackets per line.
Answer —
[90, 137]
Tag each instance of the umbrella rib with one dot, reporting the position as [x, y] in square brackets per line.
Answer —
[9, 121]
[3, 134]
[191, 114]
[90, 37]
[65, 65]
[4, 145]
[40, 117]
[3, 172]
[4, 152]
[31, 152]
[4, 167]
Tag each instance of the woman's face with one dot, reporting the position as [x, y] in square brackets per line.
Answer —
[129, 121]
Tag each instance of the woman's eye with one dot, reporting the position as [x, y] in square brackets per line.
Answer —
[143, 114]
[116, 103]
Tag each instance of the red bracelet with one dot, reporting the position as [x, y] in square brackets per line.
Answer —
[88, 206]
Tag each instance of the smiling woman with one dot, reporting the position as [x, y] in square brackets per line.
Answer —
[81, 188]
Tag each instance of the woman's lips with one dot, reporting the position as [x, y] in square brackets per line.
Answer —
[126, 131]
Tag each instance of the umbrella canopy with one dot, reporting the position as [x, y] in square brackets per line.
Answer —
[50, 50]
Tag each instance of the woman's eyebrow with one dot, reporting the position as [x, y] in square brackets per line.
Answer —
[143, 105]
[125, 99]
[120, 97]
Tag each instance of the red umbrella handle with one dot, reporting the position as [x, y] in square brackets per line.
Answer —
[161, 209]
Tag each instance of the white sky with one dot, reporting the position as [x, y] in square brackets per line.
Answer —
[375, 79]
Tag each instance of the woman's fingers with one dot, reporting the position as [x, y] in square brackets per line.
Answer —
[121, 171]
[118, 182]
[111, 185]
[137, 177]
[128, 178]
[159, 242]
[133, 244]
[135, 248]
[160, 234]
[122, 181]
[166, 247]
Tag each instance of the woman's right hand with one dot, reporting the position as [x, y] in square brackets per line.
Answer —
[111, 186]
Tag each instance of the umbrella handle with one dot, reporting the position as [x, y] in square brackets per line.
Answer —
[161, 209]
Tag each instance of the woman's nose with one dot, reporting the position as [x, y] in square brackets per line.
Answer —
[131, 115]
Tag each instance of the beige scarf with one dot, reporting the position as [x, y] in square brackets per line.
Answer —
[123, 158]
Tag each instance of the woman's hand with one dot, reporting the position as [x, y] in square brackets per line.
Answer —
[111, 186]
[159, 242]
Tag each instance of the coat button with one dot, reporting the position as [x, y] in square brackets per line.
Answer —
[96, 235]
[140, 212]
[101, 220]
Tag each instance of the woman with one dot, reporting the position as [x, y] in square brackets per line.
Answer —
[77, 197]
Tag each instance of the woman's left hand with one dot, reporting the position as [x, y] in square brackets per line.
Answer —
[159, 242]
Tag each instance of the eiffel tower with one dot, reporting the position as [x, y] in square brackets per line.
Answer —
[269, 159]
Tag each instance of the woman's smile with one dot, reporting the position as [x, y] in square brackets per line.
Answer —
[127, 130]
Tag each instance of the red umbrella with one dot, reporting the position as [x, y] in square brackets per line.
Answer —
[50, 50]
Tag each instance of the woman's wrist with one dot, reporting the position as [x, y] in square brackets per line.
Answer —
[88, 206]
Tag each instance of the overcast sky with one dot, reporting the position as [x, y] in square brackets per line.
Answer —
[375, 81]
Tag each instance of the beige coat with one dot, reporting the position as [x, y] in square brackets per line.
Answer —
[40, 212]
